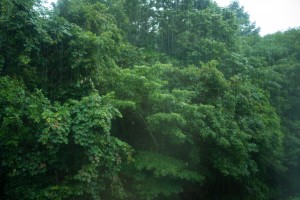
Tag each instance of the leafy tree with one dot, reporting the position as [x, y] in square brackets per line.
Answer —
[276, 61]
[58, 151]
[184, 118]
[21, 34]
[145, 100]
[246, 27]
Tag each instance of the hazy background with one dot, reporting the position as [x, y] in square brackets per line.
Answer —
[270, 15]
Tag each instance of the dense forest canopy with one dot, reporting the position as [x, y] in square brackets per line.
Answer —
[146, 100]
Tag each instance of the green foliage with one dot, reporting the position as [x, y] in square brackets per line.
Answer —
[165, 171]
[164, 166]
[228, 121]
[294, 198]
[21, 35]
[246, 27]
[58, 148]
[279, 51]
[146, 100]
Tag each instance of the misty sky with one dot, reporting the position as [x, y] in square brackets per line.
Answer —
[270, 15]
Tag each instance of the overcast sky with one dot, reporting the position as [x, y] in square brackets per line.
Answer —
[270, 15]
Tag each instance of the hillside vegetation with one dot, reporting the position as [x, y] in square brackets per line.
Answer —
[146, 100]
